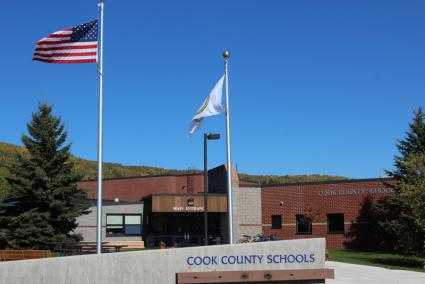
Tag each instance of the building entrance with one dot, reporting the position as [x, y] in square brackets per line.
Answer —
[178, 219]
[181, 229]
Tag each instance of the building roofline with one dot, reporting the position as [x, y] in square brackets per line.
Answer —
[244, 180]
[150, 176]
[111, 201]
[250, 185]
[161, 175]
[182, 194]
[329, 182]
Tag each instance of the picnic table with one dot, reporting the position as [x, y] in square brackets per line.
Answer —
[116, 247]
[89, 247]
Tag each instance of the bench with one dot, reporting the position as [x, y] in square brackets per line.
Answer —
[23, 254]
[257, 276]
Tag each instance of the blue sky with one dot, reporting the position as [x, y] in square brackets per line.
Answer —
[322, 87]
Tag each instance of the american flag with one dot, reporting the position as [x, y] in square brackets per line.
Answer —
[71, 45]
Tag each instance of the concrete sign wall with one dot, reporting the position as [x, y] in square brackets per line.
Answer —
[161, 266]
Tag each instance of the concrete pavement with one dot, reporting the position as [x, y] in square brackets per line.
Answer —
[346, 273]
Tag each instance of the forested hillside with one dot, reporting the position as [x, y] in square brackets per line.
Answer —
[273, 179]
[88, 169]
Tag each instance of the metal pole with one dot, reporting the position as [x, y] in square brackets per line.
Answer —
[226, 56]
[205, 190]
[99, 155]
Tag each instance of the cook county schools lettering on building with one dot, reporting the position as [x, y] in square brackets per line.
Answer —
[170, 209]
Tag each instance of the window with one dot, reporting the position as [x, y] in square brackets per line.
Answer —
[336, 223]
[132, 225]
[123, 224]
[276, 221]
[114, 224]
[303, 225]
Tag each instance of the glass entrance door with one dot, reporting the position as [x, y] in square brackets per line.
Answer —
[180, 229]
[186, 229]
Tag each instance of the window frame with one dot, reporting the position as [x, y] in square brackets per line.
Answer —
[123, 233]
[280, 222]
[297, 217]
[328, 224]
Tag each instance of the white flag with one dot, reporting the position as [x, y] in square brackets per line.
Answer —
[211, 106]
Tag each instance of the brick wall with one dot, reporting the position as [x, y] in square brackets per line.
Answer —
[134, 189]
[352, 198]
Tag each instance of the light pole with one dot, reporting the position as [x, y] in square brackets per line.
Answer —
[211, 136]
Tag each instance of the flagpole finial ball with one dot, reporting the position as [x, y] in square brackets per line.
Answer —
[226, 54]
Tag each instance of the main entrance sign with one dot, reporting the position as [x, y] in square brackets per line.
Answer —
[188, 203]
[188, 208]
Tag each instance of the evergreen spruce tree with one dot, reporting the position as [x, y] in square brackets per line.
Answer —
[412, 191]
[402, 214]
[41, 201]
[3, 174]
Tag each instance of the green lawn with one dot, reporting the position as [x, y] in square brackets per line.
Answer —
[387, 260]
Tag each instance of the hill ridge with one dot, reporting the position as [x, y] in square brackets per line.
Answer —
[88, 169]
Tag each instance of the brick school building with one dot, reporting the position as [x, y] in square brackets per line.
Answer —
[170, 208]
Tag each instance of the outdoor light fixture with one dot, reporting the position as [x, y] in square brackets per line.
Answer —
[191, 202]
[211, 136]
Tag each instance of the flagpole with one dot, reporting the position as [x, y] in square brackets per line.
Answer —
[99, 159]
[226, 56]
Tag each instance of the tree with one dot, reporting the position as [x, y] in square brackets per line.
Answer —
[41, 200]
[402, 214]
[3, 174]
[412, 191]
[412, 145]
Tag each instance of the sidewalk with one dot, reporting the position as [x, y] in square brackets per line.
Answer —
[346, 273]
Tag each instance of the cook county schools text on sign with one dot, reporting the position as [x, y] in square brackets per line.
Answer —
[250, 259]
